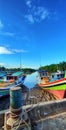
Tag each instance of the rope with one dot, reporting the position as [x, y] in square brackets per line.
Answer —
[15, 112]
[24, 122]
[19, 121]
[16, 109]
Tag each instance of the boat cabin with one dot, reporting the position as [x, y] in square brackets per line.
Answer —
[43, 76]
[43, 73]
[57, 75]
[17, 76]
[2, 76]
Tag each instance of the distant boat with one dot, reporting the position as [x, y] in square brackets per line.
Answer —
[54, 84]
[14, 80]
[2, 76]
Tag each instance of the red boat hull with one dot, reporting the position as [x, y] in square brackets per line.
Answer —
[59, 94]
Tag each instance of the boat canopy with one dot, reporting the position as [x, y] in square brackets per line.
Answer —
[2, 74]
[42, 71]
[17, 74]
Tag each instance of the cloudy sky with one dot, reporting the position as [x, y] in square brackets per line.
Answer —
[33, 31]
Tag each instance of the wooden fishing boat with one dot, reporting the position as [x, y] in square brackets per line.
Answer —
[55, 84]
[2, 76]
[14, 80]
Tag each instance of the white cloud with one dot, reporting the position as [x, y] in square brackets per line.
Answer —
[30, 18]
[37, 14]
[41, 12]
[18, 51]
[44, 14]
[28, 3]
[4, 50]
[1, 24]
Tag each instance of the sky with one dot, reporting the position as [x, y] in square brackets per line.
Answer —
[32, 32]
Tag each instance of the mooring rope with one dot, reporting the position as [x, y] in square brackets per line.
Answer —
[19, 121]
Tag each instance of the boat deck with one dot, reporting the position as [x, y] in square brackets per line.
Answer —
[4, 84]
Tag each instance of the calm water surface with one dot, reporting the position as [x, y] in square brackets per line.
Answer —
[31, 80]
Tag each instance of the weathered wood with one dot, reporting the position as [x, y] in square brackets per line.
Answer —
[1, 120]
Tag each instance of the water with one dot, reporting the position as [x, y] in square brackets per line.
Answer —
[31, 80]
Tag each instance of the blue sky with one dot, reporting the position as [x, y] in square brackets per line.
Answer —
[33, 30]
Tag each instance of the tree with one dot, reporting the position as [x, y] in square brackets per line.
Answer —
[54, 67]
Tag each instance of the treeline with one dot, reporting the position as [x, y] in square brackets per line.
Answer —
[2, 68]
[25, 70]
[28, 70]
[54, 67]
[50, 68]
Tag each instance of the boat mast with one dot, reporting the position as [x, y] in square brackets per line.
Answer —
[20, 62]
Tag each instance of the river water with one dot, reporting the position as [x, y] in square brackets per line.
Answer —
[31, 80]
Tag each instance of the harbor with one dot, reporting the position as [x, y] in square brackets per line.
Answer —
[31, 93]
[32, 65]
[32, 108]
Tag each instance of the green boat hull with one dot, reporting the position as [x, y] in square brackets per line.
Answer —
[57, 87]
[4, 93]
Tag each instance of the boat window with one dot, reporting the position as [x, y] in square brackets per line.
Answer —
[41, 78]
[1, 77]
[15, 78]
[58, 75]
[43, 74]
[62, 75]
[52, 76]
[40, 74]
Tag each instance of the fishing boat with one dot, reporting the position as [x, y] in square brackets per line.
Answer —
[13, 80]
[2, 76]
[54, 84]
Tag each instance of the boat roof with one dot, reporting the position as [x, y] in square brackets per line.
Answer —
[58, 72]
[17, 73]
[2, 74]
[42, 71]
